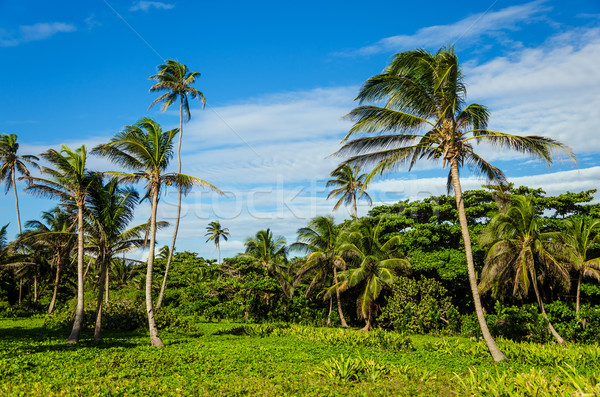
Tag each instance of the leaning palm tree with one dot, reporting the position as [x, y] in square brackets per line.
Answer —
[110, 209]
[215, 232]
[376, 263]
[176, 79]
[146, 150]
[320, 239]
[577, 240]
[68, 180]
[520, 253]
[349, 184]
[11, 163]
[425, 115]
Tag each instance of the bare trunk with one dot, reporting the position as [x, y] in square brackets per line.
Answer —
[78, 323]
[551, 329]
[330, 309]
[16, 201]
[170, 257]
[35, 287]
[354, 209]
[219, 251]
[154, 338]
[106, 286]
[101, 282]
[578, 293]
[20, 290]
[369, 326]
[55, 292]
[339, 302]
[497, 355]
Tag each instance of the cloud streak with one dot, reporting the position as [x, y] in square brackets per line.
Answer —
[36, 32]
[148, 5]
[469, 28]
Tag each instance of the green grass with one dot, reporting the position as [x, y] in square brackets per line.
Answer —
[231, 359]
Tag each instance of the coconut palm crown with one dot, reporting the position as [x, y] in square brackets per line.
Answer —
[348, 185]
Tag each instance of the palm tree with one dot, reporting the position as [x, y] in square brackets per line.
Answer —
[146, 150]
[53, 234]
[376, 263]
[176, 79]
[320, 239]
[349, 184]
[110, 209]
[11, 163]
[577, 240]
[519, 253]
[69, 182]
[215, 232]
[427, 118]
[270, 253]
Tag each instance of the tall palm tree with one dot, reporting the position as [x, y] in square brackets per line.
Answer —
[376, 263]
[110, 209]
[348, 185]
[11, 163]
[146, 150]
[176, 79]
[320, 239]
[427, 118]
[271, 253]
[577, 240]
[52, 234]
[68, 180]
[215, 232]
[520, 253]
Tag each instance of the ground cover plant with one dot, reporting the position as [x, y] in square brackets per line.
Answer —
[282, 359]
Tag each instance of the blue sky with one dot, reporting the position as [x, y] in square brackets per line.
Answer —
[278, 77]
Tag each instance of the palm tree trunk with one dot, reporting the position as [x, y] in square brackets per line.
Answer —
[16, 201]
[368, 326]
[170, 257]
[78, 323]
[354, 209]
[551, 329]
[20, 289]
[578, 293]
[219, 250]
[101, 282]
[339, 302]
[55, 292]
[154, 338]
[330, 309]
[35, 287]
[497, 355]
[106, 286]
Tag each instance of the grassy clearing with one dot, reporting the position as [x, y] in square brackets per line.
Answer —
[232, 359]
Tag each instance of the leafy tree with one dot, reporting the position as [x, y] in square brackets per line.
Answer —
[320, 239]
[176, 79]
[270, 253]
[519, 253]
[375, 270]
[11, 163]
[69, 181]
[215, 232]
[426, 115]
[348, 185]
[579, 236]
[146, 150]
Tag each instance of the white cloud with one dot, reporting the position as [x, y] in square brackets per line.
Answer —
[147, 5]
[38, 31]
[470, 28]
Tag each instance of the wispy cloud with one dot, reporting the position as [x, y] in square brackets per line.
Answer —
[38, 31]
[471, 27]
[147, 5]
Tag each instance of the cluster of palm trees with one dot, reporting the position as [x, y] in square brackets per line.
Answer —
[94, 211]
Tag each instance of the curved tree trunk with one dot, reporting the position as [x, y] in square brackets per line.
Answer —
[170, 257]
[330, 309]
[16, 201]
[497, 355]
[551, 329]
[106, 286]
[354, 209]
[339, 302]
[35, 286]
[78, 323]
[154, 338]
[101, 282]
[369, 326]
[55, 292]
